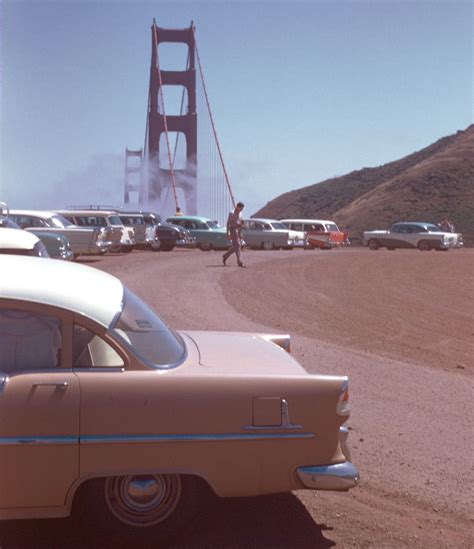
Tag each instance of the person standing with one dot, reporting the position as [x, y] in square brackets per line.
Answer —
[234, 227]
[447, 226]
[178, 211]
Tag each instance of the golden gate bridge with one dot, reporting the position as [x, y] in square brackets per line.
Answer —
[171, 171]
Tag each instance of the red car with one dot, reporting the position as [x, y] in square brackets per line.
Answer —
[320, 233]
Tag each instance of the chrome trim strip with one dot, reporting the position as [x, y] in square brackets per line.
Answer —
[114, 439]
[80, 369]
[12, 441]
[111, 439]
[3, 381]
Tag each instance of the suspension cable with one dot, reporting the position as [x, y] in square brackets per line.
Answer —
[173, 181]
[227, 180]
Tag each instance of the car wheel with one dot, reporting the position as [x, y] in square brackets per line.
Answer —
[267, 245]
[126, 249]
[373, 244]
[205, 246]
[140, 507]
[424, 246]
[115, 249]
[167, 247]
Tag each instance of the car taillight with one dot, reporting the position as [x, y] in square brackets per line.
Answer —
[343, 406]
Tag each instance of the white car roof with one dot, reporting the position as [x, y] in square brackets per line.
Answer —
[71, 286]
[38, 213]
[263, 219]
[291, 220]
[17, 239]
[92, 213]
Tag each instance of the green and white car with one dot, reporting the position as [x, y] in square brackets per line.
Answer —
[208, 233]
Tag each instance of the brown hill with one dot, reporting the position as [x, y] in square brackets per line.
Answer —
[427, 185]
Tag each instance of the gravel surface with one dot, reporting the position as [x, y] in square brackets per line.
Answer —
[399, 324]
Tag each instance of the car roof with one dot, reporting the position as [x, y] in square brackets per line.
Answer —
[414, 223]
[44, 214]
[190, 217]
[92, 213]
[17, 239]
[292, 220]
[72, 286]
[263, 219]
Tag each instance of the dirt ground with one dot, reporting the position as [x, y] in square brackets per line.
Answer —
[399, 324]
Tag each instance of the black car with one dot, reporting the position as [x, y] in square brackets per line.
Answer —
[169, 235]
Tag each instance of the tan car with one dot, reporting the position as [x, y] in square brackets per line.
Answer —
[103, 406]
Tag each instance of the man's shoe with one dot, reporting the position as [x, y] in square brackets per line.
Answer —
[240, 264]
[223, 260]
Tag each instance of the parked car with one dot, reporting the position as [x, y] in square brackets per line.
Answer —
[259, 234]
[106, 407]
[83, 240]
[413, 234]
[298, 238]
[57, 245]
[145, 233]
[320, 233]
[208, 233]
[120, 238]
[18, 242]
[170, 235]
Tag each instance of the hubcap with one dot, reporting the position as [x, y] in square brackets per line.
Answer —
[142, 500]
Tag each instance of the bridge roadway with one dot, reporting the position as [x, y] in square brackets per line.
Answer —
[399, 324]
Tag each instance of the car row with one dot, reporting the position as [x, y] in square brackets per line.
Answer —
[264, 233]
[96, 230]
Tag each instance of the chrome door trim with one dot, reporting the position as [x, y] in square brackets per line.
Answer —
[204, 437]
[30, 440]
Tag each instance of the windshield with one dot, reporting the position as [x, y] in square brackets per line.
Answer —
[278, 225]
[149, 337]
[213, 224]
[332, 227]
[433, 228]
[59, 221]
[115, 220]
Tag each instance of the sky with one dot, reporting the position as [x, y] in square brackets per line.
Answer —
[301, 91]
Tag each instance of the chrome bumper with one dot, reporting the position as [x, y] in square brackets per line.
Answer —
[338, 476]
[186, 243]
[67, 255]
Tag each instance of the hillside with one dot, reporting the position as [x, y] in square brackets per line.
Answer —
[426, 185]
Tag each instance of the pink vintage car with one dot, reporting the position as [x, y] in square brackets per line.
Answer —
[106, 411]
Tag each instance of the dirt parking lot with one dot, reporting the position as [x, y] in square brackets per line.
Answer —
[399, 324]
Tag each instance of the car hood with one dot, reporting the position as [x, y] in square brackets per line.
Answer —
[234, 353]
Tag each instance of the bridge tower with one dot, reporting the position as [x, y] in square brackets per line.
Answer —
[164, 177]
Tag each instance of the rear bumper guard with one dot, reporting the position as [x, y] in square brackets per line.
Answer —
[338, 476]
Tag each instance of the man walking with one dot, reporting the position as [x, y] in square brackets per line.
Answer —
[234, 226]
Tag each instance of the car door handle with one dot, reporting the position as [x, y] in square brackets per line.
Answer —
[60, 385]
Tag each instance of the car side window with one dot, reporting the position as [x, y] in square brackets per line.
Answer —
[90, 350]
[296, 226]
[398, 229]
[29, 341]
